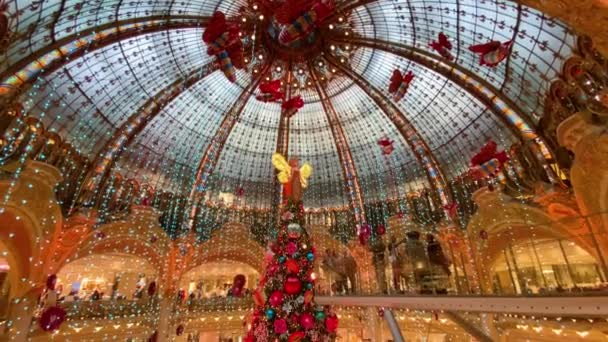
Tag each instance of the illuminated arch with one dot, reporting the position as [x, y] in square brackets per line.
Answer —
[231, 242]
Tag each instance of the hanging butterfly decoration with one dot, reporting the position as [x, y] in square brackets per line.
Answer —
[400, 83]
[223, 41]
[291, 106]
[386, 145]
[270, 92]
[443, 46]
[488, 162]
[492, 53]
[300, 18]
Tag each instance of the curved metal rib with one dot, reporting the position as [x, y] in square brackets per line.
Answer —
[100, 169]
[213, 151]
[500, 105]
[344, 154]
[421, 150]
[22, 74]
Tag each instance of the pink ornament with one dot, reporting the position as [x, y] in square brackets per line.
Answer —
[280, 326]
[292, 248]
[307, 321]
[276, 298]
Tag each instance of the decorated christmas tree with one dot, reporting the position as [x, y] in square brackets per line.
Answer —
[285, 308]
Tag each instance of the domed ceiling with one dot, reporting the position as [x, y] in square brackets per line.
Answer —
[97, 65]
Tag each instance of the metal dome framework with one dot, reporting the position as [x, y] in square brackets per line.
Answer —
[132, 82]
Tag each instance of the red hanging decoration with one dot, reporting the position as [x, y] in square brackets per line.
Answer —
[400, 83]
[240, 192]
[223, 41]
[291, 106]
[488, 162]
[52, 318]
[270, 91]
[300, 18]
[492, 53]
[443, 46]
[386, 145]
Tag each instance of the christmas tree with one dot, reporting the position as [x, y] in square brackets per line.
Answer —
[285, 308]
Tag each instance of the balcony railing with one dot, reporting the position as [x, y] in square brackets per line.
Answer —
[109, 309]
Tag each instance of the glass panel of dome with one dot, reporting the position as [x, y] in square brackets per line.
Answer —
[193, 116]
[245, 159]
[364, 124]
[538, 39]
[310, 139]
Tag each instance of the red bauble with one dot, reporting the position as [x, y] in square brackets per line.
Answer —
[180, 330]
[293, 285]
[52, 318]
[307, 321]
[483, 234]
[331, 323]
[292, 266]
[381, 312]
[276, 299]
[381, 229]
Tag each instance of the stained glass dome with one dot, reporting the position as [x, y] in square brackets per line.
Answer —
[96, 65]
